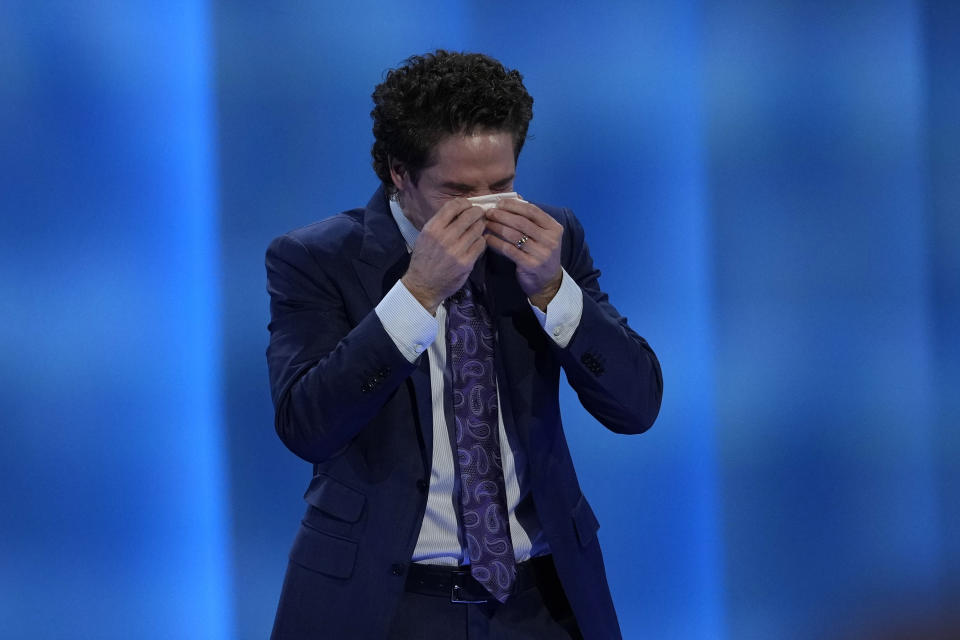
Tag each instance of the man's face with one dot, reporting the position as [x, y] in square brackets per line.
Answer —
[464, 165]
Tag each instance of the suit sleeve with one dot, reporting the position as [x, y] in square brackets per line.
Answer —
[328, 376]
[613, 370]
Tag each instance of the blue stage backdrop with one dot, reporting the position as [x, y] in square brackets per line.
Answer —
[115, 508]
[772, 191]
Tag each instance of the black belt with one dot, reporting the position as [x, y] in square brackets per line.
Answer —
[457, 584]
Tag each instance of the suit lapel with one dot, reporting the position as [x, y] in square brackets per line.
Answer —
[383, 253]
[509, 307]
[382, 261]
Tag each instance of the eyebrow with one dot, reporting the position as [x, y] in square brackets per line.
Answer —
[459, 186]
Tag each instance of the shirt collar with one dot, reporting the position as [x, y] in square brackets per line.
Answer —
[409, 232]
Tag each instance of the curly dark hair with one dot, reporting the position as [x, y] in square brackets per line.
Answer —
[438, 94]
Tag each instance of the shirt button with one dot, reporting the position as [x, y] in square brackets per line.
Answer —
[418, 348]
[556, 332]
[396, 569]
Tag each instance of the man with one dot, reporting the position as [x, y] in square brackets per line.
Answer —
[415, 353]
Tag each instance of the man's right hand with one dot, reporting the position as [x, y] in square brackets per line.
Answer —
[443, 256]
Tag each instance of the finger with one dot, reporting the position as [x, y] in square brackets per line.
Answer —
[509, 250]
[460, 246]
[472, 232]
[477, 248]
[526, 210]
[508, 232]
[527, 244]
[467, 219]
[471, 251]
[523, 224]
[448, 212]
[451, 221]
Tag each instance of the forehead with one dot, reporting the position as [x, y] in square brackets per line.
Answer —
[469, 157]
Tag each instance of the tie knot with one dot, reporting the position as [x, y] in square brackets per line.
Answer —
[465, 294]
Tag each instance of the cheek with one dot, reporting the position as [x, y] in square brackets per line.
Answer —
[438, 201]
[433, 203]
[423, 208]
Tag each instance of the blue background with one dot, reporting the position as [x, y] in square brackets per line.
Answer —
[771, 189]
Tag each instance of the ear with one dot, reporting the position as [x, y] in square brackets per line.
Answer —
[398, 173]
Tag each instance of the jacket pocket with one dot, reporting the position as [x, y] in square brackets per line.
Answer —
[585, 523]
[324, 553]
[334, 498]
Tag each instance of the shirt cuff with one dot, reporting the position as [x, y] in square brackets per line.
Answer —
[409, 325]
[563, 313]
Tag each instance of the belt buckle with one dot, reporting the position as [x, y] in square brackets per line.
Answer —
[456, 590]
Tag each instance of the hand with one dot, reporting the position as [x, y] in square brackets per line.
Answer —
[538, 258]
[443, 256]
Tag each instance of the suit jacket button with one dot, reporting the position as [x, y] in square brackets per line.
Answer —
[397, 569]
[422, 485]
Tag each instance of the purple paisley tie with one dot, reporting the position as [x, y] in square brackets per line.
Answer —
[483, 497]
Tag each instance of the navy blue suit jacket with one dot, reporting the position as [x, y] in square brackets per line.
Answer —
[349, 402]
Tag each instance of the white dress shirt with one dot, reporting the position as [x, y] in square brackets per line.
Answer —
[414, 330]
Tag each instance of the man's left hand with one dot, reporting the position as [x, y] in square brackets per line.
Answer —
[525, 234]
